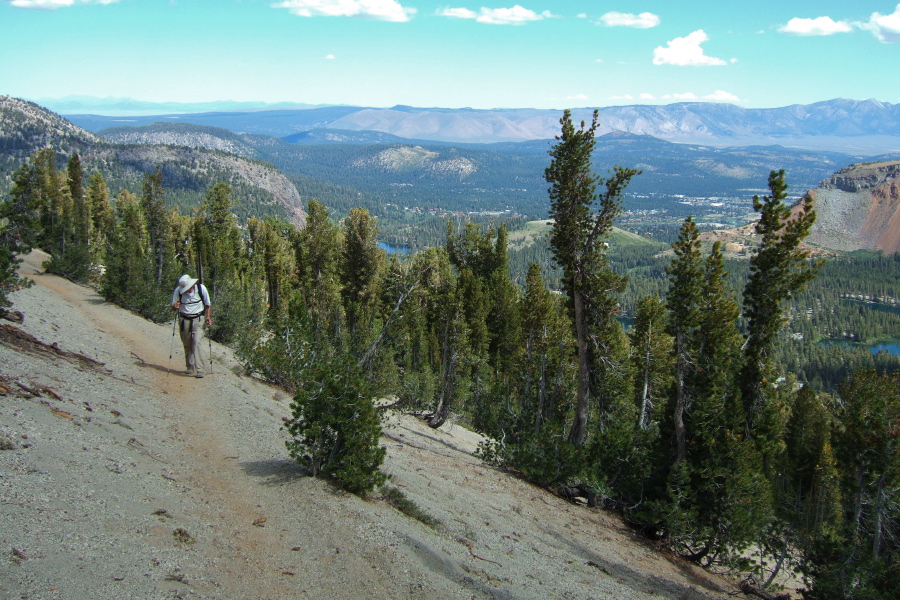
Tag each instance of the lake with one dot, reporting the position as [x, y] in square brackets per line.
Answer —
[393, 249]
[892, 347]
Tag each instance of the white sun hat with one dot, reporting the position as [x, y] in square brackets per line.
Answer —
[185, 283]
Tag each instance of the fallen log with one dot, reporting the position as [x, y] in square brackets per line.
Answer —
[16, 316]
[749, 587]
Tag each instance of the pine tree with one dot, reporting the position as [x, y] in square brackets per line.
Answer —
[129, 279]
[19, 225]
[651, 349]
[578, 243]
[317, 249]
[362, 263]
[683, 301]
[779, 269]
[103, 219]
[157, 221]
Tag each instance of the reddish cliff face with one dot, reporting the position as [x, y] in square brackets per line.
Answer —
[859, 208]
[883, 224]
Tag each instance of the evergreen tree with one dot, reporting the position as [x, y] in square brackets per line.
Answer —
[19, 225]
[683, 301]
[578, 243]
[335, 429]
[492, 325]
[270, 256]
[130, 272]
[651, 349]
[103, 219]
[779, 269]
[71, 237]
[157, 221]
[317, 250]
[862, 562]
[362, 263]
[217, 240]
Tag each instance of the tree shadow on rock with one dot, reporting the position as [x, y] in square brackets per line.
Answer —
[275, 471]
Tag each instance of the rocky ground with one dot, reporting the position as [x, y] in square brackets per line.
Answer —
[120, 479]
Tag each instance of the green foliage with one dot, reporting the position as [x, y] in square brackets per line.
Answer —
[651, 360]
[335, 429]
[779, 269]
[860, 560]
[361, 267]
[577, 239]
[317, 251]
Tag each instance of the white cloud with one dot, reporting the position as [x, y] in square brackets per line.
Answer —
[378, 10]
[817, 26]
[722, 96]
[329, 57]
[644, 20]
[885, 27]
[54, 4]
[577, 97]
[581, 16]
[497, 16]
[685, 51]
[646, 96]
[599, 60]
[684, 96]
[458, 13]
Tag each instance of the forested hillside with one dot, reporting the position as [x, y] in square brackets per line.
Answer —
[691, 422]
[386, 174]
[258, 188]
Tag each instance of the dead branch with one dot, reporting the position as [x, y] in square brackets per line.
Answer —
[468, 545]
[750, 588]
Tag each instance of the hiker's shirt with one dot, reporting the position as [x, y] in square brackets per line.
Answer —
[192, 302]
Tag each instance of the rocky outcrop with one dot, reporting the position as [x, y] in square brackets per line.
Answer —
[857, 208]
[195, 155]
[26, 127]
[181, 134]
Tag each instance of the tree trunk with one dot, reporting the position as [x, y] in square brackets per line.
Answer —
[879, 509]
[448, 379]
[678, 414]
[645, 396]
[578, 433]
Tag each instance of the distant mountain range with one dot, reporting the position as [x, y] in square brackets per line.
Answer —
[127, 106]
[864, 127]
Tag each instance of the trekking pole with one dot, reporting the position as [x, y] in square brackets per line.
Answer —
[172, 345]
[209, 339]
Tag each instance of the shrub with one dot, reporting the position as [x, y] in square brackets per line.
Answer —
[335, 427]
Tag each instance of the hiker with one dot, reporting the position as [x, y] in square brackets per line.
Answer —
[192, 303]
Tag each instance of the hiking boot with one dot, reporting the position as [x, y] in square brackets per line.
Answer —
[199, 374]
[190, 372]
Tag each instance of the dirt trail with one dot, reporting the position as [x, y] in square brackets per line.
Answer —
[91, 503]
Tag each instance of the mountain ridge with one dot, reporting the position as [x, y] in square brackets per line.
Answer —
[26, 128]
[868, 127]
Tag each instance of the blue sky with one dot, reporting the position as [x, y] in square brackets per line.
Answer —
[484, 54]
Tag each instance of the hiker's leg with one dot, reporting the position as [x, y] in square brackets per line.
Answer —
[199, 334]
[184, 329]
